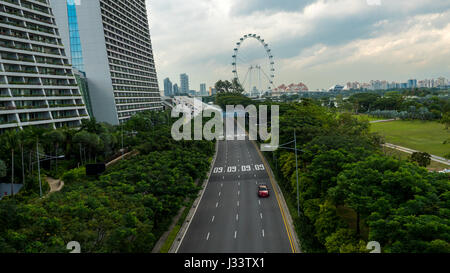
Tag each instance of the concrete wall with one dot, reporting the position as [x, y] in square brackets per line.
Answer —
[5, 189]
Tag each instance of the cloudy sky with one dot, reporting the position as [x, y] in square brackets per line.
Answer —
[318, 42]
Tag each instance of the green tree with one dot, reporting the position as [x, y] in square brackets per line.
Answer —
[2, 169]
[55, 139]
[423, 159]
[223, 86]
[345, 241]
[446, 120]
[237, 87]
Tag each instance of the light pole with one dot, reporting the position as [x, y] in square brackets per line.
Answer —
[39, 168]
[296, 165]
[122, 141]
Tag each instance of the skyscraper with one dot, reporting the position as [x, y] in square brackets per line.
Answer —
[167, 87]
[37, 84]
[110, 42]
[184, 80]
[176, 90]
[412, 83]
[203, 89]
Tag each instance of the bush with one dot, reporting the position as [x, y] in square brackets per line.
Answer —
[75, 175]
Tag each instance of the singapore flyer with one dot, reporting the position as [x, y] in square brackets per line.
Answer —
[253, 65]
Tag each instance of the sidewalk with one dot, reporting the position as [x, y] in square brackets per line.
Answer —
[55, 185]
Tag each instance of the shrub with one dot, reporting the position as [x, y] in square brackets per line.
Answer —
[75, 175]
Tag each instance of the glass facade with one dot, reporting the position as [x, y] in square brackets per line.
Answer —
[84, 89]
[75, 42]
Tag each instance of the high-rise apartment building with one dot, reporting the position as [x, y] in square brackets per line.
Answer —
[412, 83]
[168, 87]
[176, 90]
[37, 84]
[203, 89]
[184, 81]
[110, 41]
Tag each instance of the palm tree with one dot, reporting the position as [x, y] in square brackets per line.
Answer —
[237, 87]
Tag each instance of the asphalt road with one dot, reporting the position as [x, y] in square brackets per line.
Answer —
[231, 218]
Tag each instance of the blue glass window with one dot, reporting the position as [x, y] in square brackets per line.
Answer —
[75, 42]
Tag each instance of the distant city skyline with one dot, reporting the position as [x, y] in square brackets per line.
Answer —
[316, 42]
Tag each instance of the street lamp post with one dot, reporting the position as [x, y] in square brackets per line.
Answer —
[122, 142]
[39, 168]
[296, 165]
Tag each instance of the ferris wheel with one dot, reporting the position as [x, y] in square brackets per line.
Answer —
[253, 67]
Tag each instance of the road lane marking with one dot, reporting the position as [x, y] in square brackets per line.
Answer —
[200, 199]
[263, 232]
[239, 192]
[237, 217]
[212, 220]
[235, 234]
[259, 201]
[217, 204]
[278, 200]
[260, 215]
[207, 237]
[220, 193]
[238, 203]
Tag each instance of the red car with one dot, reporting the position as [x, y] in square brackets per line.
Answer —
[263, 191]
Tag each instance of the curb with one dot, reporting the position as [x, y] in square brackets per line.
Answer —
[184, 228]
[281, 197]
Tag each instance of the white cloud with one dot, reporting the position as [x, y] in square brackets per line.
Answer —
[324, 42]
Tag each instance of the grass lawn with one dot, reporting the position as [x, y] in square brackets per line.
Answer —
[418, 135]
[170, 239]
